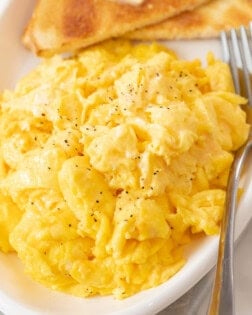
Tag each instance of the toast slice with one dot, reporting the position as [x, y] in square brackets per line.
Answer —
[203, 22]
[58, 26]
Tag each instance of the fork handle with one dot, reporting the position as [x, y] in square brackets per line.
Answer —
[222, 301]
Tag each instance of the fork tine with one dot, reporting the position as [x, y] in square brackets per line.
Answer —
[235, 59]
[246, 62]
[237, 52]
[225, 48]
[250, 30]
[228, 43]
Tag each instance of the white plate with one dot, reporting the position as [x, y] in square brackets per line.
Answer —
[21, 296]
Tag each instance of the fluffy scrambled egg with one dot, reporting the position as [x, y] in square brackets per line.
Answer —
[110, 161]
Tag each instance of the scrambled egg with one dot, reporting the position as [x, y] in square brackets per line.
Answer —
[110, 161]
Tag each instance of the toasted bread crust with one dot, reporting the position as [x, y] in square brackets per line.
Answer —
[66, 25]
[203, 22]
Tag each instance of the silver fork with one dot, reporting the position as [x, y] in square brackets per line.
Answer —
[237, 52]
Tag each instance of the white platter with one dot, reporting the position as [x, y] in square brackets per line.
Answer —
[19, 295]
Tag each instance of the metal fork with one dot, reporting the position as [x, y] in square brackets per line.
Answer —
[237, 52]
